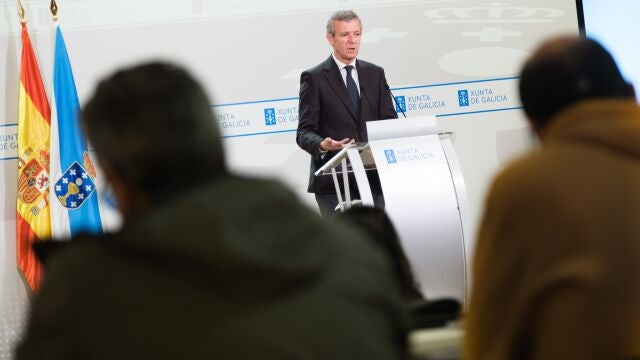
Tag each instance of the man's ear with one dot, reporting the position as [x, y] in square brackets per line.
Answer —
[330, 39]
[121, 192]
[535, 127]
[128, 198]
[631, 90]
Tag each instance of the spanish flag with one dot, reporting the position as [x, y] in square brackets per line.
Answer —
[33, 219]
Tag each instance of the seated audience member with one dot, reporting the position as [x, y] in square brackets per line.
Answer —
[556, 272]
[378, 226]
[207, 265]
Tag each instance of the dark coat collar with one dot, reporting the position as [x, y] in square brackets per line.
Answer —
[332, 74]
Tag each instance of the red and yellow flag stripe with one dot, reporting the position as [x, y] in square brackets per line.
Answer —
[33, 221]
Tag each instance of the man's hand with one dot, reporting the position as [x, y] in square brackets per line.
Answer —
[328, 144]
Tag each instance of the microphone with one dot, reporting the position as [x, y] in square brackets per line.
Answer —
[395, 101]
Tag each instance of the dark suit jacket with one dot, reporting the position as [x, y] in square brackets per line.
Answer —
[326, 111]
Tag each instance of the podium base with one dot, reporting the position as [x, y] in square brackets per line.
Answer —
[347, 206]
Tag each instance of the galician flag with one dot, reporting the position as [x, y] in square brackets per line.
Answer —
[33, 221]
[74, 198]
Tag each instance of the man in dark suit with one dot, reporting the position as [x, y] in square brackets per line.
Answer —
[337, 98]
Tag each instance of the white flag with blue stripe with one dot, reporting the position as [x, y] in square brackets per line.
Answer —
[74, 197]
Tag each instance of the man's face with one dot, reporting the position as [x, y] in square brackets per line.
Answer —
[346, 39]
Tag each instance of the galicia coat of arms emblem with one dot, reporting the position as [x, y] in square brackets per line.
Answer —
[74, 187]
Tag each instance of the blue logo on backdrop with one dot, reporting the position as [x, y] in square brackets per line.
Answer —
[270, 116]
[463, 97]
[401, 104]
[391, 156]
[74, 187]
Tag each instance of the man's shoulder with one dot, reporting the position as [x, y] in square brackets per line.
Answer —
[248, 186]
[76, 251]
[318, 69]
[368, 65]
[541, 171]
[329, 63]
[73, 265]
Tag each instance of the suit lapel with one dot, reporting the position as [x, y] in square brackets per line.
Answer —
[332, 74]
[366, 90]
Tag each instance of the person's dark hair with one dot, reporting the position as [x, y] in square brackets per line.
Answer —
[378, 226]
[153, 125]
[565, 71]
[342, 15]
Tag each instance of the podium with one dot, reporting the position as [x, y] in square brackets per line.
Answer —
[424, 193]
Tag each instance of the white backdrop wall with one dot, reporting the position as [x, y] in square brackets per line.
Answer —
[457, 59]
[611, 25]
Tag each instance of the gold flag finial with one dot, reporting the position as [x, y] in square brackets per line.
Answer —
[54, 10]
[21, 12]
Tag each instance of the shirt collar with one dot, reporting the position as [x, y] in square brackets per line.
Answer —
[342, 65]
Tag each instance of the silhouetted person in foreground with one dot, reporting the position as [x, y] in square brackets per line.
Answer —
[557, 272]
[378, 226]
[207, 265]
[380, 230]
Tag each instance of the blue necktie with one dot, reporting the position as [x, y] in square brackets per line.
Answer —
[352, 89]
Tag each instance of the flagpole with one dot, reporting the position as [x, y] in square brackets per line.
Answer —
[54, 10]
[21, 12]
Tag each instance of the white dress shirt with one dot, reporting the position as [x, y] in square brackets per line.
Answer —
[343, 71]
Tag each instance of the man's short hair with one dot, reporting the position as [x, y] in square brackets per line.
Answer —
[342, 15]
[153, 126]
[565, 71]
